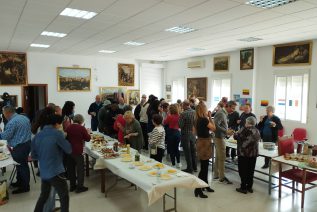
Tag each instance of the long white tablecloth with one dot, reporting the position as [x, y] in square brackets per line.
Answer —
[9, 161]
[154, 187]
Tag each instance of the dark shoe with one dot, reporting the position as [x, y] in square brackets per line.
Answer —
[265, 166]
[243, 191]
[20, 190]
[15, 185]
[72, 188]
[225, 180]
[208, 189]
[199, 192]
[81, 189]
[250, 190]
[188, 171]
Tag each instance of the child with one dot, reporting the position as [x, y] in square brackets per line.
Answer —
[248, 139]
[157, 138]
[77, 135]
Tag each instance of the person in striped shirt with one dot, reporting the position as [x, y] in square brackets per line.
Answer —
[157, 138]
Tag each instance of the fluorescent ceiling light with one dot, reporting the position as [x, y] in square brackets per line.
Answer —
[267, 4]
[180, 29]
[250, 39]
[107, 51]
[196, 49]
[53, 34]
[39, 45]
[134, 43]
[78, 13]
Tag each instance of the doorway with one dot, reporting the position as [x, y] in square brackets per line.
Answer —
[34, 98]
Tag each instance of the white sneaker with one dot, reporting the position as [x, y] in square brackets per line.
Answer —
[179, 165]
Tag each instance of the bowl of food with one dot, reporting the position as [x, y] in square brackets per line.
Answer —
[269, 145]
[312, 162]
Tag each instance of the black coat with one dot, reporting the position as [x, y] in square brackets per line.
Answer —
[275, 129]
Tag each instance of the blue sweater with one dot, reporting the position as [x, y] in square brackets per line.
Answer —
[48, 147]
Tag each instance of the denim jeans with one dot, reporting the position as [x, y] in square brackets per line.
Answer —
[20, 154]
[50, 202]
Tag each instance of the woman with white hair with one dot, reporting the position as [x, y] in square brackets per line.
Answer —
[248, 138]
[269, 126]
[132, 131]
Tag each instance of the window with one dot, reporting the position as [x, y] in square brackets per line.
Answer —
[291, 96]
[220, 88]
[178, 90]
[151, 80]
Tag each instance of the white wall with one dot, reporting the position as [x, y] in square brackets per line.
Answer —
[260, 81]
[42, 70]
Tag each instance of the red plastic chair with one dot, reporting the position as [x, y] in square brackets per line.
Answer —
[299, 134]
[286, 146]
[281, 133]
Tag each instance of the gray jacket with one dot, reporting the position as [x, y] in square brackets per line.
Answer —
[221, 122]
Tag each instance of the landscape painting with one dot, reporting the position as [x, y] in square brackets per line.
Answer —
[246, 59]
[197, 87]
[13, 68]
[292, 54]
[221, 63]
[73, 79]
[126, 74]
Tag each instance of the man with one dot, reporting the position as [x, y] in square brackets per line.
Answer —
[6, 102]
[102, 116]
[186, 123]
[48, 147]
[121, 104]
[143, 119]
[18, 135]
[93, 111]
[222, 131]
[246, 114]
[232, 124]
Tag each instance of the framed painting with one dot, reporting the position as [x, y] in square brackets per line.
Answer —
[112, 93]
[168, 88]
[13, 68]
[13, 98]
[221, 63]
[126, 74]
[73, 79]
[133, 97]
[292, 54]
[197, 87]
[246, 59]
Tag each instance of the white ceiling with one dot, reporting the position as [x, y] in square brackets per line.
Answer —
[220, 24]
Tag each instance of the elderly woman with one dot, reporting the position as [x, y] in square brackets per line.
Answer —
[132, 131]
[203, 125]
[269, 126]
[248, 138]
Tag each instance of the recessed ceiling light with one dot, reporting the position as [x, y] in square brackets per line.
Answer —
[39, 45]
[196, 49]
[267, 4]
[134, 43]
[250, 39]
[78, 13]
[107, 51]
[53, 34]
[180, 29]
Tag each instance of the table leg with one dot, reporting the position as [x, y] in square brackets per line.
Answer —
[110, 187]
[175, 202]
[303, 188]
[279, 180]
[103, 180]
[270, 177]
[87, 164]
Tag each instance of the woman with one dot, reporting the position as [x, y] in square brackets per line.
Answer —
[120, 123]
[173, 135]
[157, 139]
[203, 125]
[269, 126]
[248, 138]
[132, 131]
[154, 108]
[68, 111]
[164, 110]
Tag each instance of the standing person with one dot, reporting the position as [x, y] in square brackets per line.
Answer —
[102, 116]
[248, 139]
[68, 111]
[153, 109]
[121, 103]
[157, 139]
[233, 124]
[164, 110]
[18, 134]
[93, 112]
[222, 131]
[77, 135]
[119, 124]
[144, 121]
[173, 135]
[6, 102]
[246, 114]
[269, 126]
[132, 131]
[48, 147]
[138, 108]
[203, 125]
[186, 123]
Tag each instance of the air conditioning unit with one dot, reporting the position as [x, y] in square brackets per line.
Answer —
[196, 64]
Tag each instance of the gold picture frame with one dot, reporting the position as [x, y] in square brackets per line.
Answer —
[197, 87]
[133, 97]
[112, 93]
[292, 54]
[13, 69]
[221, 63]
[246, 59]
[125, 74]
[72, 79]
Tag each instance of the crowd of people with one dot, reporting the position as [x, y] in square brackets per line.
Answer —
[154, 127]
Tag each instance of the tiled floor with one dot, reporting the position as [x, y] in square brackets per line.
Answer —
[125, 198]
